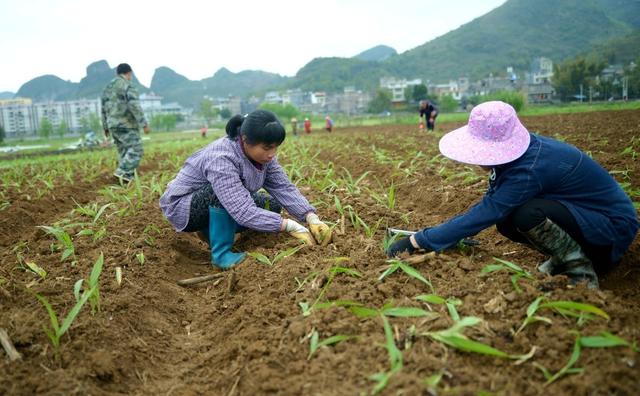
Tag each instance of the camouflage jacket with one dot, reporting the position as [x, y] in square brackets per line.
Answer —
[120, 106]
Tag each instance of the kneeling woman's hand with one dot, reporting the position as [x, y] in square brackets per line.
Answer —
[401, 246]
[297, 231]
[320, 231]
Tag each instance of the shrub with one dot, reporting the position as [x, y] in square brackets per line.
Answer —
[516, 99]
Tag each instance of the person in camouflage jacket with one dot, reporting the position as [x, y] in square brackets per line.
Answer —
[122, 118]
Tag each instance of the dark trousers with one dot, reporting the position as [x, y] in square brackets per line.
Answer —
[537, 211]
[431, 125]
[204, 197]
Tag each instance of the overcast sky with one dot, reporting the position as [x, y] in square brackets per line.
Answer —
[196, 38]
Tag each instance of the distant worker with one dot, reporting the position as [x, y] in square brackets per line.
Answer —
[122, 118]
[430, 112]
[294, 126]
[203, 131]
[307, 125]
[328, 123]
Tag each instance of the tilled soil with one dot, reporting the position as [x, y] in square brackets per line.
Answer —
[245, 334]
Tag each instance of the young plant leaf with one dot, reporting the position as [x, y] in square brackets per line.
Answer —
[406, 312]
[261, 258]
[574, 308]
[326, 342]
[35, 268]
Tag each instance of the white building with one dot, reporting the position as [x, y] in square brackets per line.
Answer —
[454, 88]
[150, 104]
[541, 71]
[397, 87]
[21, 117]
[273, 97]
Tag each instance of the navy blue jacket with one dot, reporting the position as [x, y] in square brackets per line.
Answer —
[552, 170]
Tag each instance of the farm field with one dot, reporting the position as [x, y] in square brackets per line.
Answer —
[336, 320]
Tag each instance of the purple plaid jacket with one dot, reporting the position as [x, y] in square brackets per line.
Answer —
[234, 178]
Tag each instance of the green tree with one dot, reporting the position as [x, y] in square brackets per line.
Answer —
[46, 128]
[164, 122]
[381, 102]
[2, 134]
[207, 111]
[632, 72]
[225, 113]
[91, 122]
[284, 112]
[447, 104]
[569, 75]
[514, 98]
[415, 93]
[62, 129]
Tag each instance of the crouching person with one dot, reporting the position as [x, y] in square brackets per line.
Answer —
[542, 192]
[216, 191]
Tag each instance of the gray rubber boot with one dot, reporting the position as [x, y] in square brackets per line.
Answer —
[567, 257]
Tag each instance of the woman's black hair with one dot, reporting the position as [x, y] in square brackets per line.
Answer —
[258, 127]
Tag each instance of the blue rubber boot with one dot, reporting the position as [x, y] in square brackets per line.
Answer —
[222, 229]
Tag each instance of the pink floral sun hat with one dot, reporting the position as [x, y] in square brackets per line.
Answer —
[493, 136]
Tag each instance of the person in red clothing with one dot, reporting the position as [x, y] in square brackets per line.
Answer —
[307, 125]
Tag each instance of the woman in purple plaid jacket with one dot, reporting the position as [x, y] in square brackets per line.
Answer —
[216, 191]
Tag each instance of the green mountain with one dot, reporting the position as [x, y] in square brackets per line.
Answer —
[177, 88]
[377, 53]
[47, 88]
[174, 87]
[333, 74]
[6, 95]
[510, 35]
[225, 83]
[516, 32]
[618, 50]
[50, 87]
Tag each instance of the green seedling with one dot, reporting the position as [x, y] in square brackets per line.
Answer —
[450, 303]
[351, 185]
[148, 230]
[518, 273]
[531, 314]
[395, 359]
[583, 312]
[331, 275]
[271, 262]
[391, 197]
[607, 340]
[432, 382]
[36, 269]
[338, 205]
[91, 211]
[303, 282]
[388, 240]
[454, 337]
[140, 258]
[57, 331]
[604, 340]
[94, 299]
[368, 231]
[315, 343]
[64, 239]
[567, 369]
[395, 264]
[97, 235]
